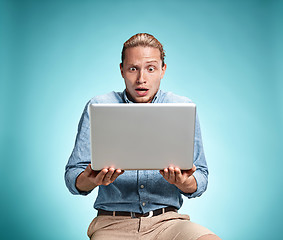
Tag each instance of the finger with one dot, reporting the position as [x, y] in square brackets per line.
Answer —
[88, 170]
[166, 173]
[172, 175]
[108, 175]
[190, 171]
[179, 176]
[100, 176]
[116, 174]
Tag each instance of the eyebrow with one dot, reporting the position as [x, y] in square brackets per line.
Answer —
[148, 62]
[152, 61]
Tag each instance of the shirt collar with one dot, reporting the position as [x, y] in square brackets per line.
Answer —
[155, 99]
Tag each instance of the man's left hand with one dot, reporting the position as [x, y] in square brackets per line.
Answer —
[183, 179]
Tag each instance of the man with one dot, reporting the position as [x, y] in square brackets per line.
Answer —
[139, 204]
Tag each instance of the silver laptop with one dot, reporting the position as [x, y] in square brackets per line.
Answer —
[142, 136]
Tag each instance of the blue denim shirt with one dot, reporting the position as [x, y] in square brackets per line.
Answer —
[136, 191]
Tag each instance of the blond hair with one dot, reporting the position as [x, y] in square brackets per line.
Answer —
[144, 40]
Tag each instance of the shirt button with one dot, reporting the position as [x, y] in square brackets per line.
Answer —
[142, 186]
[143, 203]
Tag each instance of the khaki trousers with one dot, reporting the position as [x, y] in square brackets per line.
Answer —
[167, 226]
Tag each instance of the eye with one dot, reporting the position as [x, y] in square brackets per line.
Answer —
[132, 69]
[151, 69]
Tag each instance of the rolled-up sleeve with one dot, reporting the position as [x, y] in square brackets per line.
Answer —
[201, 173]
[80, 156]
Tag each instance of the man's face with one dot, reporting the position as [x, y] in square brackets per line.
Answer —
[142, 71]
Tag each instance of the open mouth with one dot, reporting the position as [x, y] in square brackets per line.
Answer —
[141, 91]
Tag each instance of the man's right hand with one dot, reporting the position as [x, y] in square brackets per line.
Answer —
[89, 179]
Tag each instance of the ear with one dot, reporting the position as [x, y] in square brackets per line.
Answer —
[121, 69]
[163, 70]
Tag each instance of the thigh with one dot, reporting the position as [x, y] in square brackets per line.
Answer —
[180, 230]
[113, 228]
[179, 227]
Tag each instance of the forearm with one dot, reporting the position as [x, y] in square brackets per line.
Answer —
[188, 186]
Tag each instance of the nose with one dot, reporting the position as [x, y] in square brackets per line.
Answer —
[141, 77]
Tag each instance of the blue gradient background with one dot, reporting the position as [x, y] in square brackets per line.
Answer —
[225, 55]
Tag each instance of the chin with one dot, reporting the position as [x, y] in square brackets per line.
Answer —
[142, 100]
[148, 100]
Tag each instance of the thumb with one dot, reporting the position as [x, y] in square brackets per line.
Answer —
[192, 170]
[88, 169]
